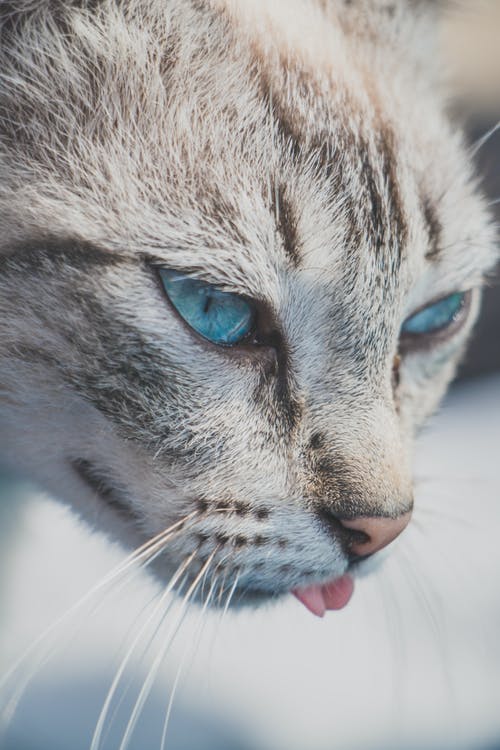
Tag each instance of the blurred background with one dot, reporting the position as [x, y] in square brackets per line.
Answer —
[412, 664]
[471, 41]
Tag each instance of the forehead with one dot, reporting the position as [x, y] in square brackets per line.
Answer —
[301, 163]
[215, 135]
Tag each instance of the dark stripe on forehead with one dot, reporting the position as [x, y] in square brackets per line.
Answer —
[322, 149]
[288, 91]
[287, 224]
[375, 213]
[217, 209]
[284, 121]
[380, 201]
[335, 147]
[434, 228]
[397, 216]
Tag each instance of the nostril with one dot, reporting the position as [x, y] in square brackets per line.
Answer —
[378, 532]
[362, 537]
[337, 528]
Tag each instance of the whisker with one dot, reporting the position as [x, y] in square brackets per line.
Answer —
[459, 566]
[153, 548]
[422, 592]
[149, 547]
[221, 611]
[436, 621]
[127, 638]
[140, 660]
[222, 587]
[56, 642]
[478, 145]
[198, 630]
[148, 683]
[126, 659]
[21, 685]
[230, 596]
[393, 625]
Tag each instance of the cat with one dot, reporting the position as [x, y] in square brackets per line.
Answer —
[242, 249]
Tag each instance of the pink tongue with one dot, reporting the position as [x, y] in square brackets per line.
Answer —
[334, 595]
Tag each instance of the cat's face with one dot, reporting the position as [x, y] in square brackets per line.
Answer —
[310, 174]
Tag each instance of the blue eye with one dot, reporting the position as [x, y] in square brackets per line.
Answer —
[220, 317]
[435, 317]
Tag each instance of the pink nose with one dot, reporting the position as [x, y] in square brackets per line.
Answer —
[379, 532]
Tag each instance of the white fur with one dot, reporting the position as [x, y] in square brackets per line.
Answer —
[162, 133]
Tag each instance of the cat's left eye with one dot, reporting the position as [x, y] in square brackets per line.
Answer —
[436, 318]
[221, 317]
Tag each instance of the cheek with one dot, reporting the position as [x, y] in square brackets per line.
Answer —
[238, 451]
[424, 381]
[426, 374]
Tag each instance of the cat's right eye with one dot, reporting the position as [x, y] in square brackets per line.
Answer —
[223, 318]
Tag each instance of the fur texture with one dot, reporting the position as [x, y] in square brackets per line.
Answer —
[296, 152]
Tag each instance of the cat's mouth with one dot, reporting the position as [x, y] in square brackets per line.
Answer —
[318, 598]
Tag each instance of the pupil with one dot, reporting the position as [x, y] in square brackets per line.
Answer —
[207, 304]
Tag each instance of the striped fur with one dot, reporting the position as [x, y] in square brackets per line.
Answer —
[297, 152]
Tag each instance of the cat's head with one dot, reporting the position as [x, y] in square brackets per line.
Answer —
[241, 251]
